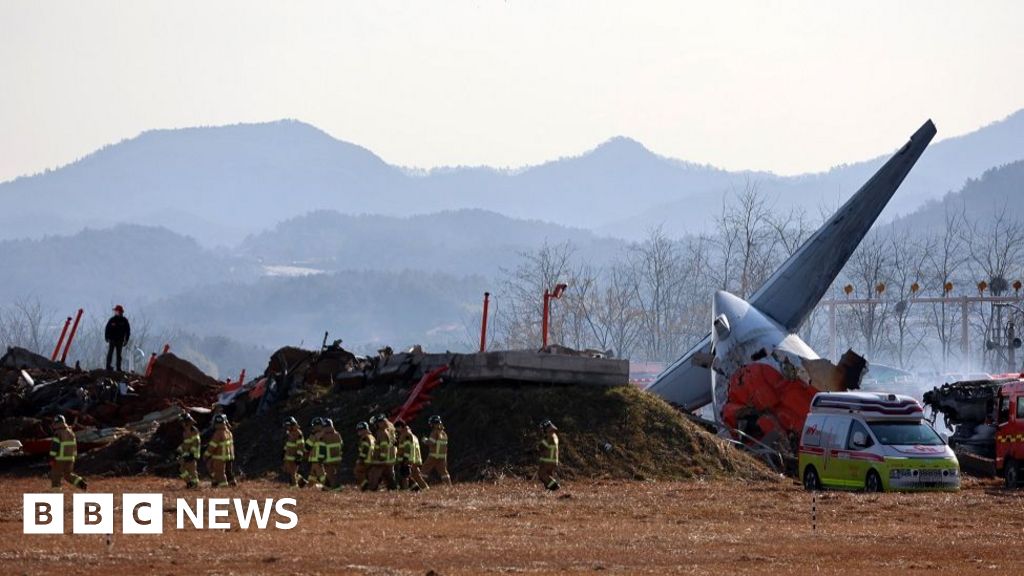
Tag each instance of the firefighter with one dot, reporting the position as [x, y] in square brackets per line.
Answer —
[364, 459]
[332, 445]
[229, 464]
[437, 460]
[189, 452]
[220, 451]
[410, 458]
[294, 450]
[63, 451]
[316, 466]
[386, 454]
[548, 456]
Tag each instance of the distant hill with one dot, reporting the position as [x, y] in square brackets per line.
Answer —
[999, 190]
[944, 167]
[475, 242]
[221, 184]
[127, 264]
[366, 308]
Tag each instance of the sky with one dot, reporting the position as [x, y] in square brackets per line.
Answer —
[790, 87]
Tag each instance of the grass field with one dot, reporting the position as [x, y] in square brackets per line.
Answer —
[608, 527]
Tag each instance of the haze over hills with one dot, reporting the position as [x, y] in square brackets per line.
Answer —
[471, 242]
[220, 184]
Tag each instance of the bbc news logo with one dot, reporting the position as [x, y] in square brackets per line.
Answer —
[144, 513]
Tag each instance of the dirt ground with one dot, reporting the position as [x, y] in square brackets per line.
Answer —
[608, 527]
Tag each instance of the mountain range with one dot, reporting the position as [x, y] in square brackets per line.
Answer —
[223, 184]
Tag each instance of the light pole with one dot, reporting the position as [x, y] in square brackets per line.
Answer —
[548, 296]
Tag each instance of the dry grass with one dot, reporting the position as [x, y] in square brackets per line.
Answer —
[622, 527]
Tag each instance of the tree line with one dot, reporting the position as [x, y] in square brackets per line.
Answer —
[652, 301]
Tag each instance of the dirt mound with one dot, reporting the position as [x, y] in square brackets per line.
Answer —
[605, 432]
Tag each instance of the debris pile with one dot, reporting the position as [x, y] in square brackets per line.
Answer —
[608, 431]
[113, 414]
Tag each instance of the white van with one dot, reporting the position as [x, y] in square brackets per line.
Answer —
[873, 441]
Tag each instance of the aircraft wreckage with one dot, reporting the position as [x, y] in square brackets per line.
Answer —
[764, 375]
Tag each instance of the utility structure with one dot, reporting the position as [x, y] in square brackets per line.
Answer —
[483, 323]
[549, 295]
[965, 303]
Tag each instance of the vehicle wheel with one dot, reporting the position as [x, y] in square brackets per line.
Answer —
[873, 483]
[811, 481]
[1012, 474]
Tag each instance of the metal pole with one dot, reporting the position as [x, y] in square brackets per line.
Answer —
[1011, 351]
[965, 346]
[544, 320]
[71, 337]
[483, 323]
[60, 341]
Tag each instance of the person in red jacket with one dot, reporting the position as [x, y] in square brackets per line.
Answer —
[117, 333]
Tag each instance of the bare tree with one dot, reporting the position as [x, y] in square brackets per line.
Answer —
[908, 259]
[520, 305]
[946, 257]
[869, 267]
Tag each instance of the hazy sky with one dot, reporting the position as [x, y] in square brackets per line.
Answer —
[785, 86]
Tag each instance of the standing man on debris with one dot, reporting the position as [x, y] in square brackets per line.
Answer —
[332, 446]
[117, 333]
[410, 458]
[294, 449]
[548, 456]
[364, 459]
[437, 460]
[316, 466]
[63, 451]
[189, 452]
[220, 451]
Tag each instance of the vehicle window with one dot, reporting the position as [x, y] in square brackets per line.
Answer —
[905, 433]
[854, 428]
[1004, 410]
[1020, 408]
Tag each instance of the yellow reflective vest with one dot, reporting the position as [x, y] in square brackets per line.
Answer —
[367, 446]
[222, 445]
[549, 449]
[409, 449]
[332, 445]
[63, 446]
[294, 445]
[190, 443]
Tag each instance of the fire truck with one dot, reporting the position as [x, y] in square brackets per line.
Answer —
[986, 418]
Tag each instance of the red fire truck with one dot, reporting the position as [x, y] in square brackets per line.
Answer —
[987, 420]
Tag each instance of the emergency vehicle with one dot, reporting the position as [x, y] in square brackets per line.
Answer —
[875, 442]
[987, 420]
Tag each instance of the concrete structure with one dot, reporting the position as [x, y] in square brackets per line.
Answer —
[528, 367]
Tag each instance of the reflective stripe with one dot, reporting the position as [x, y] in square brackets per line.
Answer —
[552, 451]
[225, 449]
[440, 448]
[63, 450]
[190, 445]
[314, 450]
[366, 449]
[411, 451]
[333, 450]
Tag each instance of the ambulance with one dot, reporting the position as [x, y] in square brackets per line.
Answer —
[875, 442]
